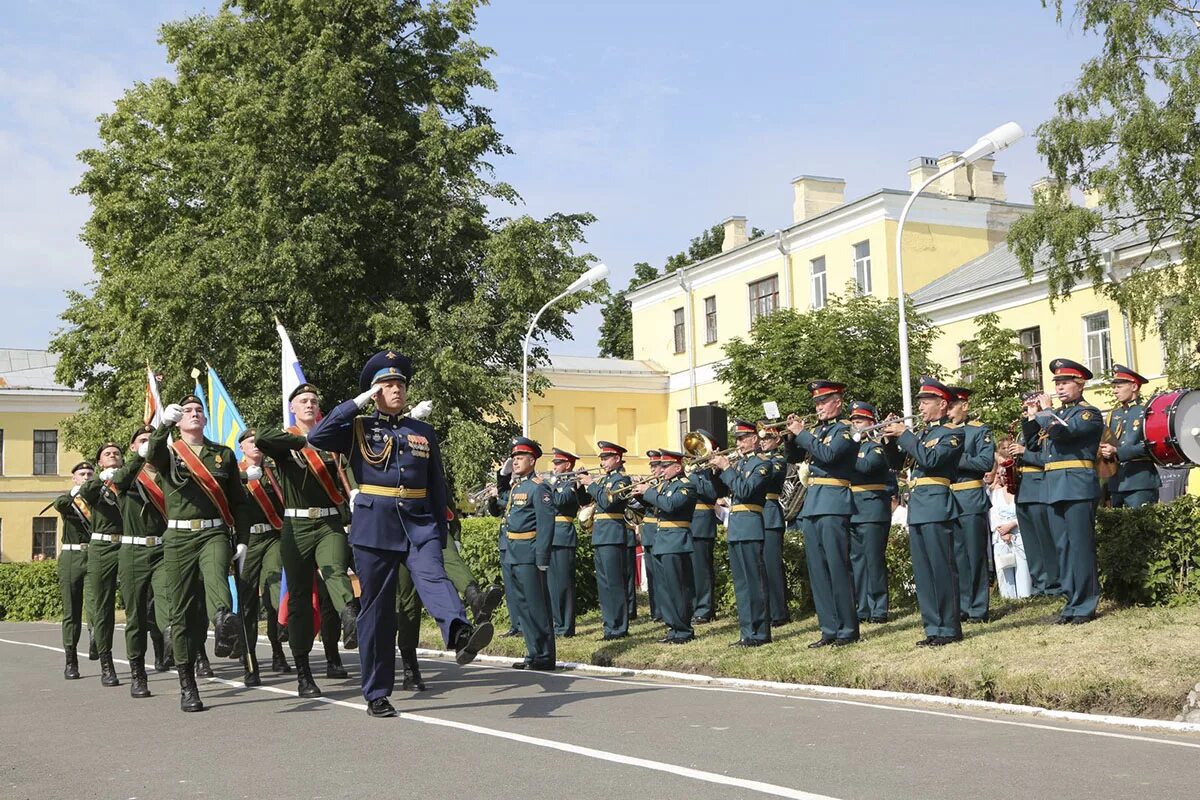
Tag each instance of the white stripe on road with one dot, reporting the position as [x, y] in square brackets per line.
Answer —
[589, 752]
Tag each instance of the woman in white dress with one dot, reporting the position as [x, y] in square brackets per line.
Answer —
[1012, 571]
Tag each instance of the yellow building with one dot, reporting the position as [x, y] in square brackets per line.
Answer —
[35, 467]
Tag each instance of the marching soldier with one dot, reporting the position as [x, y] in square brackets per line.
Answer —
[72, 563]
[608, 539]
[567, 495]
[748, 481]
[529, 523]
[825, 519]
[674, 502]
[104, 555]
[774, 524]
[708, 489]
[399, 520]
[205, 505]
[871, 522]
[935, 454]
[972, 531]
[646, 532]
[1137, 480]
[1032, 517]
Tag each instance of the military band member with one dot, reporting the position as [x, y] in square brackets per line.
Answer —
[869, 526]
[1137, 480]
[674, 502]
[206, 505]
[72, 562]
[1033, 519]
[529, 523]
[567, 495]
[608, 539]
[399, 519]
[825, 518]
[935, 454]
[104, 554]
[972, 531]
[748, 480]
[646, 533]
[704, 536]
[497, 502]
[774, 525]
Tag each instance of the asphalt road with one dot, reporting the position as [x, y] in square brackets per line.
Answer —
[492, 732]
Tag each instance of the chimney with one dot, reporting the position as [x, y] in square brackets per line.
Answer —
[1042, 185]
[815, 195]
[979, 175]
[735, 233]
[1092, 198]
[958, 182]
[998, 191]
[921, 169]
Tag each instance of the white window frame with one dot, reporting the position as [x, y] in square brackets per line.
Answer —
[818, 283]
[862, 267]
[753, 301]
[1105, 340]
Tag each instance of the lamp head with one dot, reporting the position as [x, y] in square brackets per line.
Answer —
[594, 275]
[993, 141]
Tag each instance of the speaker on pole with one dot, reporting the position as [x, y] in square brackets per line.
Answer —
[713, 419]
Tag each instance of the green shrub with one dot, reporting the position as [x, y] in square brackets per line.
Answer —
[29, 591]
[1150, 556]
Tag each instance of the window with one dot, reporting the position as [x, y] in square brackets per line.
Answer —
[764, 297]
[1031, 354]
[710, 320]
[683, 426]
[818, 282]
[1097, 343]
[862, 267]
[964, 363]
[1, 451]
[680, 337]
[45, 538]
[45, 452]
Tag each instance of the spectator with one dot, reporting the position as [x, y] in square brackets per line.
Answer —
[900, 510]
[1012, 571]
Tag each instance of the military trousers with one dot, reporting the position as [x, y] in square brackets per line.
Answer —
[72, 577]
[827, 552]
[750, 590]
[408, 602]
[776, 578]
[561, 579]
[868, 562]
[1059, 536]
[972, 554]
[1077, 518]
[1040, 552]
[650, 566]
[533, 605]
[610, 585]
[143, 577]
[935, 572]
[510, 598]
[103, 563]
[703, 578]
[676, 596]
[262, 554]
[197, 566]
[630, 568]
[309, 546]
[1135, 499]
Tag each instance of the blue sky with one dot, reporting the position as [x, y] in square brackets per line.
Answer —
[659, 117]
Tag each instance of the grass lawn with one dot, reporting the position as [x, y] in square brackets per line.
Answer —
[1131, 661]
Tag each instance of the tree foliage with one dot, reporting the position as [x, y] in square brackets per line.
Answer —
[1128, 131]
[993, 371]
[853, 340]
[324, 162]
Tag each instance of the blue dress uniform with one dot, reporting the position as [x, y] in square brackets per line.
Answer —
[1032, 516]
[1071, 491]
[675, 504]
[931, 510]
[608, 542]
[748, 480]
[566, 495]
[646, 532]
[773, 527]
[399, 518]
[825, 519]
[496, 506]
[708, 489]
[972, 531]
[529, 525]
[870, 488]
[1137, 481]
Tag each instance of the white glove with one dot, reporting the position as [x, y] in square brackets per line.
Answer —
[366, 397]
[422, 409]
[143, 449]
[172, 414]
[239, 555]
[106, 474]
[353, 494]
[506, 468]
[254, 473]
[74, 491]
[543, 569]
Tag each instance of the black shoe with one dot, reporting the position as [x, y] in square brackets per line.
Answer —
[1062, 621]
[279, 660]
[779, 623]
[138, 683]
[824, 641]
[877, 620]
[168, 658]
[350, 625]
[978, 620]
[108, 673]
[843, 642]
[227, 630]
[680, 640]
[963, 616]
[665, 640]
[511, 633]
[926, 642]
[542, 666]
[160, 664]
[412, 670]
[748, 643]
[1081, 620]
[942, 641]
[189, 695]
[335, 671]
[203, 668]
[468, 641]
[483, 602]
[305, 684]
[612, 637]
[380, 708]
[71, 670]
[520, 665]
[93, 653]
[251, 679]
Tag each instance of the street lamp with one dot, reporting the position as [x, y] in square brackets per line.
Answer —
[991, 142]
[597, 273]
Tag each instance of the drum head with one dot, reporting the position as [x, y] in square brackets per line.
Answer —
[1186, 425]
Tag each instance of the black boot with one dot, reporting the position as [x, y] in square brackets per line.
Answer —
[71, 670]
[189, 695]
[159, 645]
[108, 673]
[304, 680]
[278, 659]
[227, 631]
[138, 683]
[412, 671]
[483, 602]
[203, 668]
[168, 661]
[334, 670]
[93, 653]
[468, 641]
[350, 625]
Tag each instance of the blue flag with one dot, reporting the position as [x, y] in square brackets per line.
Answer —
[225, 423]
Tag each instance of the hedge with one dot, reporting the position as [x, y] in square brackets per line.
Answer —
[1150, 556]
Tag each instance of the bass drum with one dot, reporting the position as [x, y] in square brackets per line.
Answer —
[1173, 428]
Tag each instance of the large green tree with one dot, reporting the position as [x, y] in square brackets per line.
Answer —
[324, 162]
[1128, 131]
[994, 372]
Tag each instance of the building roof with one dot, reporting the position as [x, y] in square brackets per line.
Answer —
[29, 370]
[604, 366]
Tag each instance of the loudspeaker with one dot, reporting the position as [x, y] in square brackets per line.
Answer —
[713, 419]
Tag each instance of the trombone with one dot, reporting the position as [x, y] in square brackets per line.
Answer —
[700, 451]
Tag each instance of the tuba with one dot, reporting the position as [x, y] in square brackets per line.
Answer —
[586, 517]
[795, 486]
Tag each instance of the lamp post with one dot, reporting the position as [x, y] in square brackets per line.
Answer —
[991, 142]
[597, 273]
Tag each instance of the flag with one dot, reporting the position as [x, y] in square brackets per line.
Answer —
[291, 375]
[281, 614]
[154, 405]
[225, 422]
[199, 392]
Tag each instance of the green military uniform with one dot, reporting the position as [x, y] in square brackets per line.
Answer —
[264, 510]
[646, 532]
[529, 522]
[773, 527]
[704, 536]
[675, 505]
[972, 531]
[748, 479]
[1032, 518]
[72, 570]
[1137, 481]
[630, 567]
[609, 545]
[104, 558]
[496, 506]
[566, 495]
[870, 488]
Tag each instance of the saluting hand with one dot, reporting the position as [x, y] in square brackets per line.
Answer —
[107, 473]
[254, 472]
[369, 395]
[172, 414]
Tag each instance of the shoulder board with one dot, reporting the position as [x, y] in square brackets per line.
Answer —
[954, 425]
[975, 423]
[685, 480]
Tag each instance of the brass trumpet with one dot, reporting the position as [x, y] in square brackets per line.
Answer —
[627, 491]
[867, 431]
[700, 451]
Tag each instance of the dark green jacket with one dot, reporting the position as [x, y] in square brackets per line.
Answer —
[608, 526]
[747, 479]
[869, 485]
[935, 454]
[1068, 453]
[1135, 469]
[76, 528]
[674, 505]
[978, 457]
[831, 452]
[185, 499]
[137, 510]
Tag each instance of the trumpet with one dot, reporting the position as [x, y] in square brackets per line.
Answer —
[627, 490]
[477, 496]
[700, 450]
[861, 432]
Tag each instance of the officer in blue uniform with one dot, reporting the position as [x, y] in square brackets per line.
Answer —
[935, 454]
[832, 454]
[399, 518]
[608, 539]
[529, 525]
[646, 534]
[1136, 482]
[708, 489]
[674, 503]
[1071, 487]
[972, 531]
[567, 495]
[748, 480]
[773, 525]
[1032, 517]
[870, 487]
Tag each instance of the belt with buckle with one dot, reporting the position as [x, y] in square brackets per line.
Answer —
[262, 527]
[705, 506]
[1077, 464]
[1027, 468]
[114, 538]
[931, 482]
[82, 547]
[561, 518]
[869, 487]
[674, 523]
[147, 541]
[194, 524]
[403, 492]
[964, 485]
[745, 507]
[309, 513]
[828, 482]
[521, 536]
[607, 515]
